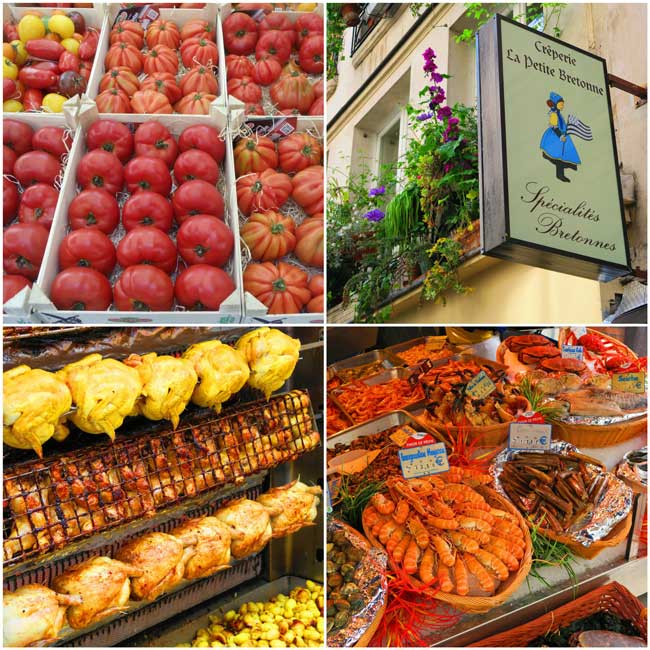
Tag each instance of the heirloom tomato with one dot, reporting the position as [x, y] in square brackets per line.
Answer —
[255, 154]
[203, 287]
[239, 33]
[298, 151]
[87, 247]
[94, 208]
[282, 287]
[79, 288]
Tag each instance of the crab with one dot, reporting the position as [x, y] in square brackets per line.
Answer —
[537, 353]
[519, 343]
[564, 365]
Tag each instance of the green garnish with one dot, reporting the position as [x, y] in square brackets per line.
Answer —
[536, 398]
[549, 552]
[350, 503]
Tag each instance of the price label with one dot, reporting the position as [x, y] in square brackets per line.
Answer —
[273, 127]
[425, 365]
[143, 14]
[629, 382]
[529, 434]
[572, 352]
[480, 386]
[422, 456]
[435, 345]
[401, 436]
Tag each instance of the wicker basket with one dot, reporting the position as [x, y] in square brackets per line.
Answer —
[594, 435]
[482, 604]
[612, 597]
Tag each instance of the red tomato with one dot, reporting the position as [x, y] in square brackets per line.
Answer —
[94, 208]
[87, 247]
[273, 44]
[147, 173]
[307, 25]
[197, 197]
[8, 159]
[111, 136]
[69, 62]
[52, 139]
[146, 208]
[12, 284]
[239, 33]
[33, 99]
[17, 136]
[311, 56]
[204, 239]
[146, 245]
[317, 284]
[153, 139]
[36, 167]
[203, 287]
[34, 76]
[196, 164]
[10, 200]
[23, 246]
[205, 138]
[144, 288]
[37, 204]
[99, 168]
[81, 289]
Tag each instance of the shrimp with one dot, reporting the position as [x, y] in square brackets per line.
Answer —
[461, 576]
[371, 516]
[442, 524]
[378, 526]
[418, 531]
[400, 549]
[444, 579]
[462, 542]
[411, 557]
[492, 562]
[441, 509]
[513, 549]
[387, 530]
[485, 580]
[426, 566]
[511, 539]
[401, 513]
[466, 509]
[443, 550]
[384, 505]
[477, 535]
[396, 537]
[503, 514]
[507, 558]
[459, 493]
[472, 523]
[509, 528]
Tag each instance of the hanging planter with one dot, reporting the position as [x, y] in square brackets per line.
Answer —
[351, 14]
[469, 238]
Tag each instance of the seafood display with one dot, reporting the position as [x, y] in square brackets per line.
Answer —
[360, 372]
[607, 354]
[336, 420]
[414, 355]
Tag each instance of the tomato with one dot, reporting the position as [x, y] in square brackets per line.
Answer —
[311, 54]
[239, 33]
[43, 48]
[204, 239]
[199, 51]
[309, 245]
[13, 284]
[30, 27]
[128, 31]
[196, 164]
[160, 59]
[8, 89]
[94, 208]
[10, 200]
[114, 137]
[293, 91]
[53, 102]
[238, 66]
[267, 71]
[8, 159]
[318, 107]
[23, 248]
[254, 109]
[279, 22]
[87, 247]
[99, 168]
[203, 137]
[85, 67]
[60, 25]
[273, 44]
[146, 208]
[81, 289]
[71, 84]
[38, 204]
[298, 151]
[198, 27]
[200, 79]
[121, 78]
[269, 235]
[150, 101]
[317, 284]
[265, 191]
[203, 287]
[316, 305]
[69, 61]
[50, 66]
[78, 21]
[146, 245]
[307, 25]
[245, 89]
[319, 90]
[123, 54]
[195, 104]
[282, 288]
[165, 83]
[197, 197]
[155, 140]
[52, 139]
[163, 32]
[33, 99]
[308, 187]
[34, 77]
[36, 167]
[17, 136]
[144, 288]
[147, 173]
[255, 154]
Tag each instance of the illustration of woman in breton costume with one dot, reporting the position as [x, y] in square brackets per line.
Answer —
[556, 144]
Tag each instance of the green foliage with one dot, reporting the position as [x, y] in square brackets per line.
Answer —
[548, 552]
[443, 275]
[335, 29]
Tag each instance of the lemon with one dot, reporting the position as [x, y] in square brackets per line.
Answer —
[54, 102]
[30, 27]
[9, 69]
[12, 106]
[21, 52]
[61, 25]
[71, 44]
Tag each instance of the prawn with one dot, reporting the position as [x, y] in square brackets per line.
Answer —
[492, 562]
[477, 535]
[387, 530]
[462, 578]
[442, 524]
[418, 531]
[371, 516]
[411, 557]
[401, 513]
[459, 493]
[444, 579]
[400, 549]
[514, 541]
[507, 558]
[513, 549]
[395, 538]
[443, 550]
[384, 505]
[473, 523]
[466, 509]
[441, 509]
[485, 580]
[462, 542]
[509, 528]
[503, 514]
[426, 566]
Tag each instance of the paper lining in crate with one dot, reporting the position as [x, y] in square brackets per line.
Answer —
[231, 308]
[180, 17]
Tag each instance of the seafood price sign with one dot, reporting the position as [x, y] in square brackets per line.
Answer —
[529, 432]
[550, 187]
[421, 455]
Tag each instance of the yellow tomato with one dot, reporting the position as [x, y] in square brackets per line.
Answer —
[71, 45]
[54, 102]
[30, 27]
[8, 52]
[61, 25]
[9, 69]
[21, 52]
[12, 106]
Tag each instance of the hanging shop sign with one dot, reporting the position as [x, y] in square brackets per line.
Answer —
[550, 187]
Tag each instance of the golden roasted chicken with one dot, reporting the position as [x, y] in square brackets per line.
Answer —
[167, 385]
[250, 526]
[35, 404]
[102, 584]
[32, 615]
[271, 356]
[291, 506]
[212, 550]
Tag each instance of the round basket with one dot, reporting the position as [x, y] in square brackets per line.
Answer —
[620, 346]
[597, 435]
[493, 435]
[482, 604]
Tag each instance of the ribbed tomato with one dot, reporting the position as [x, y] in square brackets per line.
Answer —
[160, 59]
[293, 90]
[143, 288]
[124, 54]
[128, 31]
[37, 204]
[316, 305]
[196, 164]
[279, 22]
[203, 137]
[150, 101]
[147, 245]
[146, 208]
[94, 208]
[319, 88]
[199, 51]
[113, 100]
[269, 235]
[147, 173]
[318, 107]
[109, 135]
[17, 136]
[254, 109]
[198, 28]
[307, 25]
[311, 55]
[204, 239]
[195, 104]
[154, 139]
[163, 32]
[200, 79]
[298, 151]
[203, 287]
[245, 89]
[275, 44]
[266, 191]
[238, 66]
[8, 159]
[121, 78]
[87, 247]
[308, 189]
[267, 71]
[282, 288]
[309, 242]
[239, 33]
[81, 289]
[197, 197]
[255, 154]
[165, 83]
[317, 284]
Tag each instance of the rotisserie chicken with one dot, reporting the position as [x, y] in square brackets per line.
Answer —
[271, 356]
[102, 583]
[104, 392]
[33, 614]
[291, 507]
[34, 406]
[222, 372]
[167, 385]
[212, 546]
[250, 526]
[162, 559]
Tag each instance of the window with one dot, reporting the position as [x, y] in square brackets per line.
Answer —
[370, 15]
[389, 149]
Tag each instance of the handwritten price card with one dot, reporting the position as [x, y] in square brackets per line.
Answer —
[629, 382]
[572, 352]
[480, 386]
[422, 456]
[529, 432]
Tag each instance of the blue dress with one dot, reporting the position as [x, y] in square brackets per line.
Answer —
[554, 147]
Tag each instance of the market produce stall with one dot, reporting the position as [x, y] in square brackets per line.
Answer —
[510, 485]
[149, 471]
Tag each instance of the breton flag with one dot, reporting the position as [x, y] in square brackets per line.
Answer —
[578, 128]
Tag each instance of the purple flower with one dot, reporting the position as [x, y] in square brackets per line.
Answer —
[444, 112]
[377, 191]
[374, 215]
[436, 77]
[448, 167]
[429, 54]
[453, 121]
[438, 98]
[424, 116]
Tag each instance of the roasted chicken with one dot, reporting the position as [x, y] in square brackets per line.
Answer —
[35, 403]
[212, 549]
[291, 507]
[32, 615]
[250, 526]
[271, 356]
[104, 392]
[102, 584]
[161, 559]
[167, 386]
[222, 372]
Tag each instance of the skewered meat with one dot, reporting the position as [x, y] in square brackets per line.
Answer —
[212, 546]
[33, 614]
[35, 403]
[519, 343]
[167, 385]
[161, 558]
[104, 392]
[291, 507]
[103, 586]
[537, 353]
[563, 365]
[250, 526]
[271, 356]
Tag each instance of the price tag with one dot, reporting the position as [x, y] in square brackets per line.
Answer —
[529, 432]
[629, 382]
[425, 365]
[401, 436]
[423, 456]
[273, 127]
[435, 345]
[572, 352]
[480, 386]
[143, 14]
